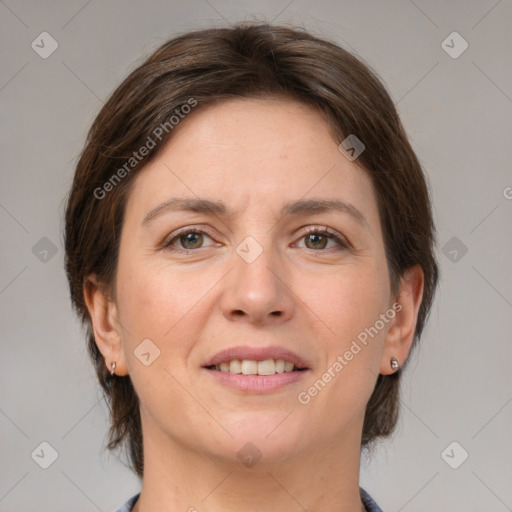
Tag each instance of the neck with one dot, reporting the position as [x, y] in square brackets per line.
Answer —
[324, 477]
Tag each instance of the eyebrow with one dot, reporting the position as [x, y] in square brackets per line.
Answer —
[213, 207]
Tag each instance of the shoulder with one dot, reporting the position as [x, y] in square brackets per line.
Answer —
[128, 505]
[368, 502]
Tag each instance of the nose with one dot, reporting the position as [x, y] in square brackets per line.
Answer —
[258, 292]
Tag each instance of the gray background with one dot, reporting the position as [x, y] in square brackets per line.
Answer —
[458, 113]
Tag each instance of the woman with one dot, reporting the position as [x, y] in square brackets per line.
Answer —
[249, 241]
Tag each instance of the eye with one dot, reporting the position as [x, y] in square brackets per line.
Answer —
[318, 238]
[189, 239]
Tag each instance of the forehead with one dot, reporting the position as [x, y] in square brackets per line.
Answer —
[259, 152]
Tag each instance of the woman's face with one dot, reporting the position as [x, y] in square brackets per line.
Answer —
[229, 268]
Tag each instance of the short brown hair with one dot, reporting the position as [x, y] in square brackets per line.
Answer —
[248, 60]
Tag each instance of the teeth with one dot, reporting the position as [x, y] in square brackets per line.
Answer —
[267, 367]
[235, 366]
[249, 367]
[252, 367]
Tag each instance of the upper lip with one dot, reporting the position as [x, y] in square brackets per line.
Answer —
[256, 354]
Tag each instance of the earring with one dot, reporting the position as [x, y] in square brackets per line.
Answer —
[394, 364]
[112, 368]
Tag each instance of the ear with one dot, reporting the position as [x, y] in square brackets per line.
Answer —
[400, 336]
[106, 327]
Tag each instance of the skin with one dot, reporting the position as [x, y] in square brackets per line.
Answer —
[255, 155]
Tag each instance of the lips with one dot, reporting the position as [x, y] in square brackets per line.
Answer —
[257, 370]
[256, 354]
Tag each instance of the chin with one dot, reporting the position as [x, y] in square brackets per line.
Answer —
[268, 436]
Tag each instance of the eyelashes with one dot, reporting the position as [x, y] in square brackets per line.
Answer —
[194, 238]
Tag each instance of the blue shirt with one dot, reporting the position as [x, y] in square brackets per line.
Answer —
[369, 504]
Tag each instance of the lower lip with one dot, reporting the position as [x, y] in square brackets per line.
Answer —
[257, 383]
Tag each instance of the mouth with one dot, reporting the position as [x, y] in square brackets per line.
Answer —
[257, 370]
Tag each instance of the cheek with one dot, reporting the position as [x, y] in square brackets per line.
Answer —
[348, 305]
[351, 347]
[153, 298]
[166, 306]
[346, 300]
[155, 305]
